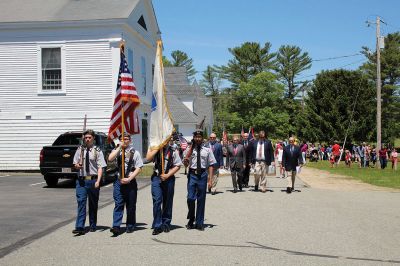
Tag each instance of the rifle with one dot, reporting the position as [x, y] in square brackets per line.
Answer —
[83, 139]
[188, 154]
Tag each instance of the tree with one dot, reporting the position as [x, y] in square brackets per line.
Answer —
[329, 106]
[180, 59]
[166, 62]
[260, 104]
[249, 59]
[290, 62]
[390, 77]
[211, 81]
[256, 103]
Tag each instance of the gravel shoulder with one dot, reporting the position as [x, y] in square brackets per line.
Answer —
[325, 180]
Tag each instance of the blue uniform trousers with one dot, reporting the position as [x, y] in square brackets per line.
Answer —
[197, 187]
[125, 195]
[85, 189]
[163, 197]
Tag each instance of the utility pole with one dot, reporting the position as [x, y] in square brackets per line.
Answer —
[378, 88]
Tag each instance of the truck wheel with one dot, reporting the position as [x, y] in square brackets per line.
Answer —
[51, 181]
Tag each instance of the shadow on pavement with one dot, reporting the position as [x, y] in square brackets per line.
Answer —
[289, 252]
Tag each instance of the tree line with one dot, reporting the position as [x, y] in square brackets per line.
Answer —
[265, 91]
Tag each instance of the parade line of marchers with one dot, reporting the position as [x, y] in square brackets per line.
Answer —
[202, 161]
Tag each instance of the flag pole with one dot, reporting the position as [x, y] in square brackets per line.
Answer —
[123, 139]
[162, 120]
[122, 50]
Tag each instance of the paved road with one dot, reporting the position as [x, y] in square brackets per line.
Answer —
[29, 209]
[311, 227]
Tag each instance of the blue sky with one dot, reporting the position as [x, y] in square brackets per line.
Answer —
[206, 29]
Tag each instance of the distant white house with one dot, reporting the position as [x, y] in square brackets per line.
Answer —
[188, 104]
[59, 60]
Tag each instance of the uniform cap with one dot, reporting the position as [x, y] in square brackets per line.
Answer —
[198, 132]
[125, 135]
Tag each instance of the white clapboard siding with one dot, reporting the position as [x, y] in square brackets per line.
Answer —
[20, 144]
[88, 78]
[29, 121]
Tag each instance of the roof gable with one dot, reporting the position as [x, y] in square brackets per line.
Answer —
[180, 113]
[64, 10]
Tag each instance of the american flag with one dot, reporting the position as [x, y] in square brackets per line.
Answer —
[251, 134]
[183, 142]
[126, 96]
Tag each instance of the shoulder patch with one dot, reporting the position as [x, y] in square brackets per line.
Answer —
[97, 148]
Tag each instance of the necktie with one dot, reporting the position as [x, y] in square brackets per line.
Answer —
[198, 160]
[235, 149]
[259, 149]
[87, 162]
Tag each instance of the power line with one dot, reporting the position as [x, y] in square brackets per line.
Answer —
[336, 57]
[352, 63]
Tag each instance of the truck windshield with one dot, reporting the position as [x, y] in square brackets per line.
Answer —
[74, 139]
[68, 139]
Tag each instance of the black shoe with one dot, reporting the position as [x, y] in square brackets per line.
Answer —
[240, 188]
[78, 231]
[200, 227]
[166, 228]
[92, 229]
[209, 190]
[292, 189]
[288, 190]
[157, 231]
[235, 190]
[255, 188]
[213, 193]
[130, 230]
[115, 230]
[190, 226]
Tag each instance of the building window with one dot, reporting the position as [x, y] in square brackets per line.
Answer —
[142, 23]
[130, 60]
[143, 75]
[51, 69]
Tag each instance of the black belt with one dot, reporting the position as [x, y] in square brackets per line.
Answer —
[88, 177]
[194, 171]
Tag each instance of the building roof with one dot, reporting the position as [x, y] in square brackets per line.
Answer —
[181, 90]
[180, 113]
[178, 85]
[176, 76]
[64, 10]
[202, 106]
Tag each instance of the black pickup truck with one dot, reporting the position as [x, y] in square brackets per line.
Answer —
[56, 161]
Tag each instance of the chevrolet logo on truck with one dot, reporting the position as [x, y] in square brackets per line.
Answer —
[66, 155]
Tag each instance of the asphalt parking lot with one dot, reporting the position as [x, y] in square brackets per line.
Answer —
[29, 209]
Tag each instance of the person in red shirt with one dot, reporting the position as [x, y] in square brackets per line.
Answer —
[348, 158]
[383, 157]
[336, 152]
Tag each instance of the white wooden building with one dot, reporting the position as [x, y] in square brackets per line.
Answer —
[188, 104]
[59, 60]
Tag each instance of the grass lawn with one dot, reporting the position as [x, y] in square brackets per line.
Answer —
[373, 176]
